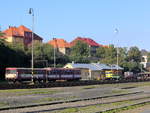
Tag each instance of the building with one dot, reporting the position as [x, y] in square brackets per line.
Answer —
[21, 35]
[144, 61]
[93, 70]
[91, 43]
[61, 45]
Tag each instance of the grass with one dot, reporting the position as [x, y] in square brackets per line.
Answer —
[37, 93]
[119, 110]
[70, 110]
[2, 104]
[49, 99]
[99, 107]
[21, 92]
[91, 108]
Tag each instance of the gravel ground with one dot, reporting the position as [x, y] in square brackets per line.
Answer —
[23, 97]
[52, 108]
[17, 98]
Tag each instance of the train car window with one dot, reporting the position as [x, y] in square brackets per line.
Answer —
[27, 71]
[50, 72]
[54, 72]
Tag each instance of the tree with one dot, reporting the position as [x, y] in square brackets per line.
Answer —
[80, 52]
[107, 55]
[44, 56]
[134, 54]
[100, 52]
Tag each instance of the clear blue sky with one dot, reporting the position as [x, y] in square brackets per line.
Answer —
[96, 19]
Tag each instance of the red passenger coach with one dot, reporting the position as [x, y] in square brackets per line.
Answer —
[54, 74]
[42, 74]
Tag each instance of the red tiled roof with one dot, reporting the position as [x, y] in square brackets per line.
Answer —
[19, 32]
[89, 41]
[59, 43]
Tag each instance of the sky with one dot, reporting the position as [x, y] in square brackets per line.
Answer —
[96, 19]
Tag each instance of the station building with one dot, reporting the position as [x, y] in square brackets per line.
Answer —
[94, 70]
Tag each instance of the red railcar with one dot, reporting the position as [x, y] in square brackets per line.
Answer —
[63, 74]
[42, 74]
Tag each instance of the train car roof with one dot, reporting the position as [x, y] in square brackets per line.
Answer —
[61, 69]
[15, 68]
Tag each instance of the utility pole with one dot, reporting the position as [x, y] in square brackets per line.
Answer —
[116, 33]
[54, 52]
[31, 11]
[141, 63]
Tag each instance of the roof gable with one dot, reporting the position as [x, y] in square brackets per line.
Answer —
[59, 43]
[20, 32]
[89, 41]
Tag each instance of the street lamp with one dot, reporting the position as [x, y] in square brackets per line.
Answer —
[31, 11]
[116, 33]
[54, 52]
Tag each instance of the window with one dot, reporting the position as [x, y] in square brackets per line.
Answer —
[11, 71]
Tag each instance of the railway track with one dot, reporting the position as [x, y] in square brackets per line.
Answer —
[89, 101]
[58, 84]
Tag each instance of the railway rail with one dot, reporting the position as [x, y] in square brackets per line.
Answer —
[59, 84]
[76, 100]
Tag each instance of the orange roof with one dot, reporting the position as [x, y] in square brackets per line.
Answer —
[22, 29]
[20, 32]
[59, 43]
[14, 31]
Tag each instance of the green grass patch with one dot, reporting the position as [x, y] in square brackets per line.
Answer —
[69, 110]
[49, 99]
[37, 93]
[2, 104]
[94, 108]
[119, 110]
[21, 92]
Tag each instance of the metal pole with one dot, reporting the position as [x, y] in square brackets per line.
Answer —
[141, 63]
[54, 53]
[116, 33]
[31, 11]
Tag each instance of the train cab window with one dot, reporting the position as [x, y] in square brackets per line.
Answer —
[11, 71]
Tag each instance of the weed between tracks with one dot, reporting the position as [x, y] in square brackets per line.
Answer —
[119, 110]
[102, 107]
[49, 99]
[21, 92]
[2, 104]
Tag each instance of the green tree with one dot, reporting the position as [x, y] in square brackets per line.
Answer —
[100, 52]
[44, 56]
[80, 52]
[107, 55]
[134, 54]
